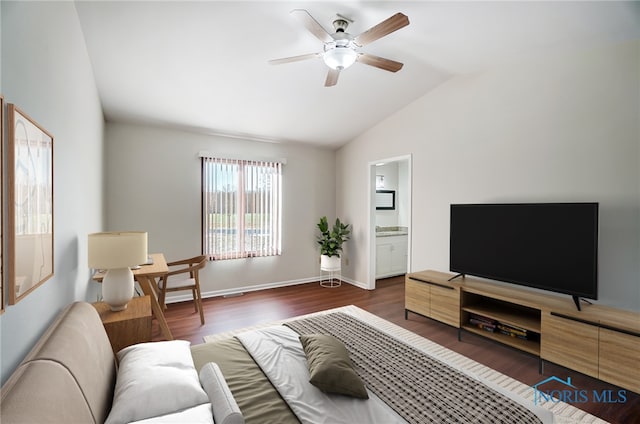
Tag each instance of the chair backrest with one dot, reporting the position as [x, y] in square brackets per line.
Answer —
[191, 265]
[197, 263]
[201, 261]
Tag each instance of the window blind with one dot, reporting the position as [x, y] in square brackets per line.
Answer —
[241, 208]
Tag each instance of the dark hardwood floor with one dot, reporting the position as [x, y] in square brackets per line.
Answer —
[387, 301]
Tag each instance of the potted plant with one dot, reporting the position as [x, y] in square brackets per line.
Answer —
[330, 241]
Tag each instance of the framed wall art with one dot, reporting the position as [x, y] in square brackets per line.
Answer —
[30, 204]
[1, 205]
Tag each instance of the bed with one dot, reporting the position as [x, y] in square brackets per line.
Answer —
[262, 375]
[419, 380]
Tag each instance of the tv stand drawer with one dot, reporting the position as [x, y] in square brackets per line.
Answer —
[570, 343]
[592, 347]
[429, 294]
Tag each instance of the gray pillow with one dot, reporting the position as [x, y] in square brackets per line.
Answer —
[330, 367]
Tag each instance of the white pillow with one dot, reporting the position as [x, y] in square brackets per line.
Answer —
[155, 379]
[200, 414]
[224, 406]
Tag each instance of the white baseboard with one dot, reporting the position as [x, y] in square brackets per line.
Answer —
[245, 289]
[355, 283]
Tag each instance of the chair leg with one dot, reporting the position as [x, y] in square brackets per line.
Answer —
[163, 293]
[195, 299]
[198, 302]
[201, 311]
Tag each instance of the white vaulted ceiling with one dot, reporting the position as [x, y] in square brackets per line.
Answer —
[202, 65]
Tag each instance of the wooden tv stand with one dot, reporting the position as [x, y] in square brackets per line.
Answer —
[599, 341]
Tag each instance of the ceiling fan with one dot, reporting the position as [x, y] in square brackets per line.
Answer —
[341, 48]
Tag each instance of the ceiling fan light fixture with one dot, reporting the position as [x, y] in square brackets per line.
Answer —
[339, 57]
[341, 49]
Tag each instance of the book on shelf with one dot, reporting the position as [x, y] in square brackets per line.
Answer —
[485, 327]
[516, 328]
[482, 325]
[483, 319]
[513, 330]
[511, 334]
[493, 326]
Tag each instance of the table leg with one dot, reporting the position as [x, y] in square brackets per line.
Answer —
[147, 288]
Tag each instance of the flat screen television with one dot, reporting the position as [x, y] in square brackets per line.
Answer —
[549, 246]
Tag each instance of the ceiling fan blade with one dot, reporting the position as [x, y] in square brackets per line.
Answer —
[380, 62]
[312, 25]
[386, 27]
[332, 78]
[294, 58]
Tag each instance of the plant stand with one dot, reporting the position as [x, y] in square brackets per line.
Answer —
[330, 278]
[330, 268]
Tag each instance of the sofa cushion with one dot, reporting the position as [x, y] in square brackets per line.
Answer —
[154, 379]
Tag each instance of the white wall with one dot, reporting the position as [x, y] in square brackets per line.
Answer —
[153, 184]
[46, 72]
[559, 128]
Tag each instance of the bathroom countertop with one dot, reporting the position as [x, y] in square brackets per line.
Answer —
[391, 231]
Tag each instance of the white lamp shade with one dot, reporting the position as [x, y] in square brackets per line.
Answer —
[117, 249]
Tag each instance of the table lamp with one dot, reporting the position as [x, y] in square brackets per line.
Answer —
[116, 252]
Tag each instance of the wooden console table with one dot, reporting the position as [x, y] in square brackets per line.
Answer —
[599, 341]
[146, 277]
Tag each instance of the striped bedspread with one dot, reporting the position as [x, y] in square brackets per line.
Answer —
[417, 386]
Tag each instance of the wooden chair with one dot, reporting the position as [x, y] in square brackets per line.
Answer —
[171, 283]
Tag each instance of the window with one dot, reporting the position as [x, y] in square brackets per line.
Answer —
[241, 208]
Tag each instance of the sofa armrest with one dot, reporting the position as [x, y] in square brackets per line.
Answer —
[68, 376]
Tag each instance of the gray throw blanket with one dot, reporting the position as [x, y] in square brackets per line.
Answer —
[417, 386]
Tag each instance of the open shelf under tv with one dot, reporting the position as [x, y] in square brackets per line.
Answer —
[503, 314]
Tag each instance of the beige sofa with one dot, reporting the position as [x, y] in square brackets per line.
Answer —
[68, 377]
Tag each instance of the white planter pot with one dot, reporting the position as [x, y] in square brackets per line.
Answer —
[330, 263]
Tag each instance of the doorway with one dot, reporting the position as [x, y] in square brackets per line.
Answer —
[389, 218]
